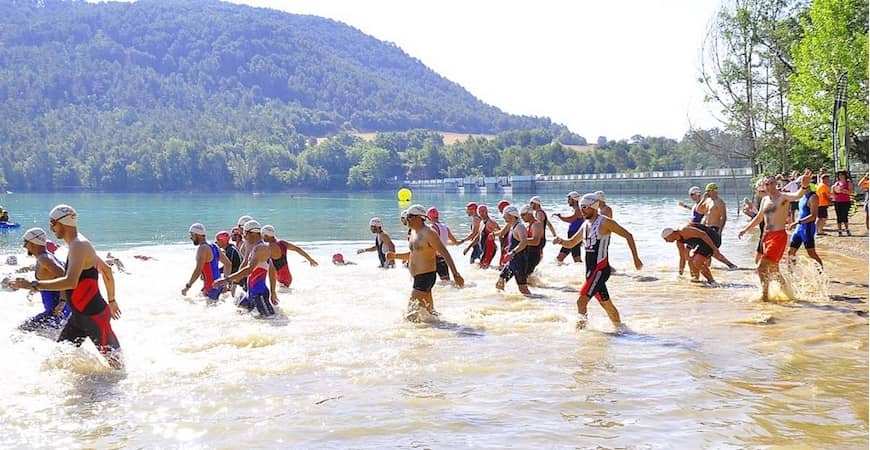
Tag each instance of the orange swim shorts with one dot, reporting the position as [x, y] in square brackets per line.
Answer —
[774, 243]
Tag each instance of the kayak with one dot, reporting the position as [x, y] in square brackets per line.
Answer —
[5, 225]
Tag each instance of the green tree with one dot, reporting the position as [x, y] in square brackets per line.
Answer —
[834, 42]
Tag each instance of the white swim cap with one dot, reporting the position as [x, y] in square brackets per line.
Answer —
[535, 199]
[667, 232]
[574, 194]
[197, 228]
[694, 190]
[252, 226]
[35, 236]
[588, 200]
[404, 214]
[243, 220]
[376, 222]
[417, 210]
[64, 214]
[600, 195]
[511, 211]
[526, 209]
[268, 230]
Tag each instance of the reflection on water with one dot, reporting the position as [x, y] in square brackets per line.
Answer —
[700, 367]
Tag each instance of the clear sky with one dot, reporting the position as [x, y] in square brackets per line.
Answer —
[611, 68]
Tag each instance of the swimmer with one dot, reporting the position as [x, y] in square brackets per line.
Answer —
[383, 244]
[113, 261]
[594, 234]
[517, 261]
[693, 238]
[90, 314]
[256, 268]
[471, 211]
[423, 246]
[575, 220]
[774, 212]
[805, 228]
[56, 309]
[278, 249]
[446, 236]
[338, 260]
[208, 259]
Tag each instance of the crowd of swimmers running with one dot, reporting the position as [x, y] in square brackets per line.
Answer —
[253, 258]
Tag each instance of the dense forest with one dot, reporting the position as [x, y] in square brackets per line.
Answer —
[199, 95]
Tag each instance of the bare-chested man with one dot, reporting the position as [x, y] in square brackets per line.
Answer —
[603, 209]
[715, 214]
[91, 314]
[774, 212]
[471, 211]
[424, 244]
[691, 237]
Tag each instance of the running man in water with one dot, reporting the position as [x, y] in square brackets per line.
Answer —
[443, 232]
[471, 211]
[574, 221]
[423, 246]
[90, 314]
[222, 239]
[603, 209]
[774, 212]
[594, 234]
[383, 243]
[56, 310]
[256, 269]
[278, 249]
[518, 242]
[805, 228]
[208, 259]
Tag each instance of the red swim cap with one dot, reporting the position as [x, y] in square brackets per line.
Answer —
[502, 205]
[51, 246]
[482, 209]
[471, 205]
[338, 257]
[432, 213]
[222, 236]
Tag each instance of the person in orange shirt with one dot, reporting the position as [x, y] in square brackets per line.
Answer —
[824, 194]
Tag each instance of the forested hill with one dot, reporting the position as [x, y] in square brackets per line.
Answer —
[194, 55]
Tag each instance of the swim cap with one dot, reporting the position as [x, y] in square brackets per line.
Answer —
[51, 246]
[667, 232]
[511, 210]
[432, 213]
[759, 185]
[35, 236]
[417, 210]
[197, 228]
[376, 222]
[471, 205]
[222, 236]
[588, 200]
[11, 260]
[243, 220]
[268, 230]
[64, 214]
[404, 214]
[535, 199]
[600, 195]
[338, 258]
[574, 194]
[482, 209]
[526, 209]
[502, 204]
[694, 190]
[711, 187]
[252, 226]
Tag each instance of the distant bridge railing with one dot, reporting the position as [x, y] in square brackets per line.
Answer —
[506, 181]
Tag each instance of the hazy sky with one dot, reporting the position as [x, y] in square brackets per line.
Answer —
[610, 68]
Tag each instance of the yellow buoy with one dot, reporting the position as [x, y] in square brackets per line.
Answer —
[404, 195]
